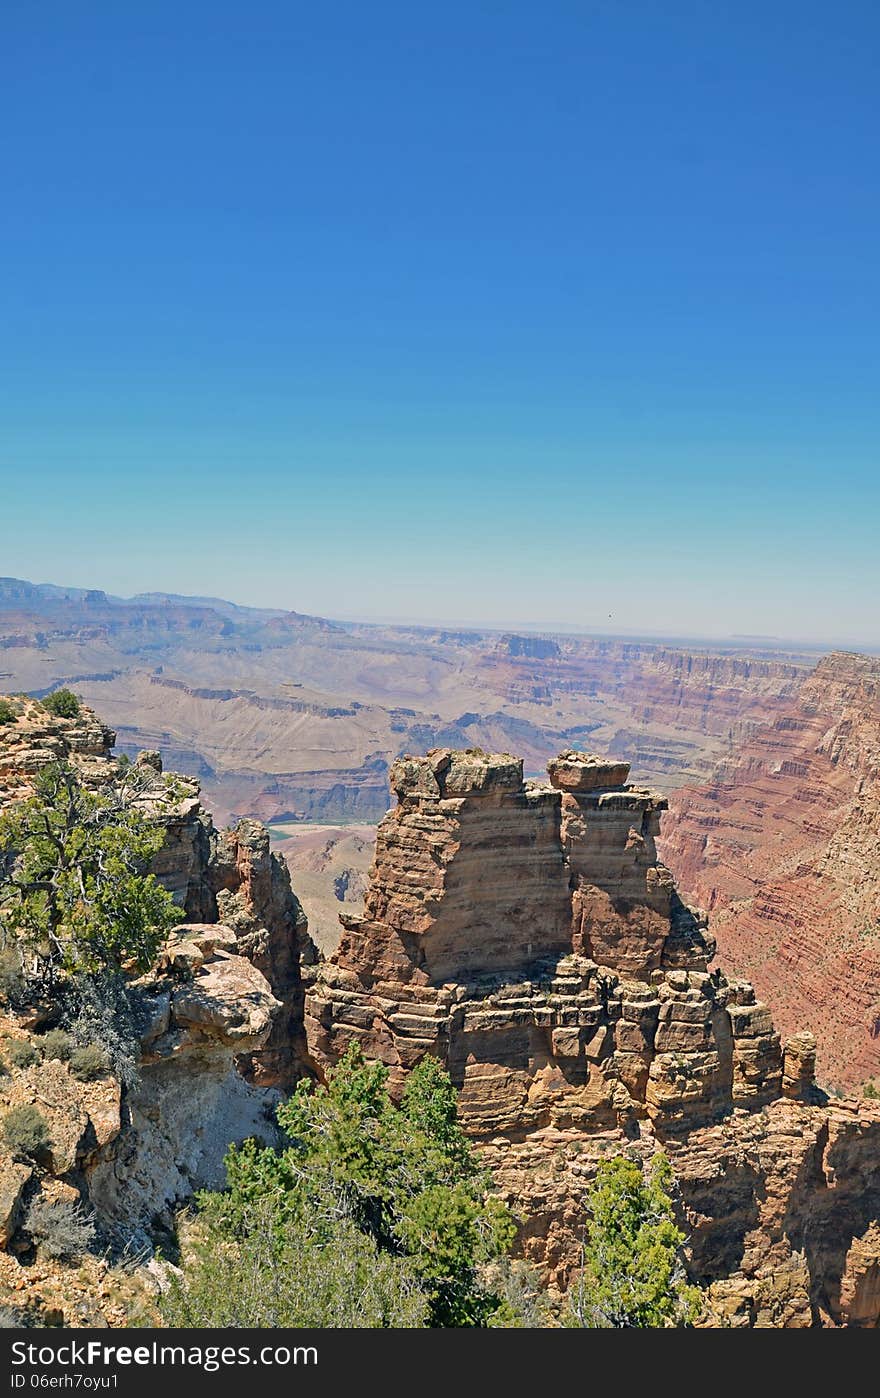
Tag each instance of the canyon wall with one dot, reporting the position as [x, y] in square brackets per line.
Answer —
[782, 847]
[527, 935]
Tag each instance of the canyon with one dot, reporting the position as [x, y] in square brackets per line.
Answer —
[296, 720]
[529, 931]
[219, 1020]
[286, 717]
[782, 847]
[526, 934]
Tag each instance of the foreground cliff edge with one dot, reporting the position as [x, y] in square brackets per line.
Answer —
[526, 934]
[221, 1036]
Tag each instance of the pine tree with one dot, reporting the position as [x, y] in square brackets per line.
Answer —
[365, 1188]
[633, 1273]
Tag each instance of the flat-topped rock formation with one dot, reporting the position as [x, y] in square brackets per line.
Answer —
[525, 926]
[580, 771]
[526, 933]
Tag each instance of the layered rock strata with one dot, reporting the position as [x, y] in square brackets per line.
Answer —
[520, 928]
[527, 935]
[36, 738]
[781, 846]
[286, 717]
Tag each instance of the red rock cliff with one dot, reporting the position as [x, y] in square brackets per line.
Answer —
[782, 847]
[527, 935]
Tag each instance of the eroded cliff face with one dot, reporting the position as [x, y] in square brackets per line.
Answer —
[206, 1009]
[220, 1019]
[782, 847]
[527, 931]
[527, 934]
[214, 876]
[134, 1154]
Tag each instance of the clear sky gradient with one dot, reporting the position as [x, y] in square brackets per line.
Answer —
[561, 313]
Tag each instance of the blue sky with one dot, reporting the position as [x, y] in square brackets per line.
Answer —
[562, 314]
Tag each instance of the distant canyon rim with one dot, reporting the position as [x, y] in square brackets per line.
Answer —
[769, 758]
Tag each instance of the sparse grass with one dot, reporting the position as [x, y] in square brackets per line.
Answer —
[57, 1044]
[60, 1228]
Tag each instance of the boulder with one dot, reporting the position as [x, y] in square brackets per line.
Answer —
[14, 1178]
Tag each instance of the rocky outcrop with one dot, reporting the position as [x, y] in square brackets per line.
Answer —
[203, 1009]
[215, 876]
[132, 1154]
[37, 738]
[527, 935]
[220, 1018]
[233, 877]
[251, 892]
[781, 847]
[779, 1206]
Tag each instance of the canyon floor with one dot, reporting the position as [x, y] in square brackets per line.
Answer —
[329, 866]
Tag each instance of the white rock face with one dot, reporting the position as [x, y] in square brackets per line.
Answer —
[182, 1119]
[191, 1102]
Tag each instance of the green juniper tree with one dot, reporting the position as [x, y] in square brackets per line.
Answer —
[74, 895]
[79, 914]
[361, 1183]
[277, 1266]
[633, 1273]
[63, 703]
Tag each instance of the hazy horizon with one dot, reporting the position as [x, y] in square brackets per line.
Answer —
[734, 640]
